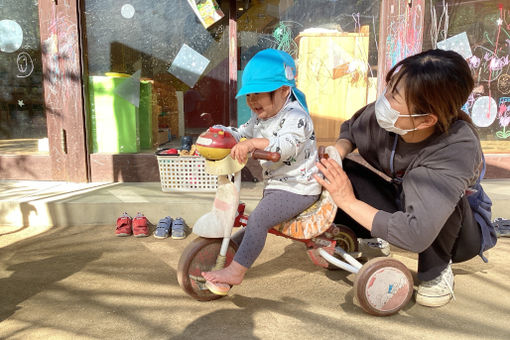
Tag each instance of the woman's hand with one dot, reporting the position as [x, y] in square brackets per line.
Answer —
[336, 182]
[340, 188]
[241, 150]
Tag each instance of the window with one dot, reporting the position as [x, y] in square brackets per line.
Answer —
[156, 71]
[334, 44]
[480, 30]
[23, 127]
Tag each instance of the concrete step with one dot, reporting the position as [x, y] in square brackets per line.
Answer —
[69, 204]
[46, 204]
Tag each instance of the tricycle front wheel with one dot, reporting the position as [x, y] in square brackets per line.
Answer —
[383, 286]
[199, 256]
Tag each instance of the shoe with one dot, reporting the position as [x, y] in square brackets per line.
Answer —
[502, 227]
[186, 142]
[140, 228]
[179, 229]
[123, 225]
[218, 288]
[163, 227]
[373, 247]
[437, 292]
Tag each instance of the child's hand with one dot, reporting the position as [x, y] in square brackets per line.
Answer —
[241, 150]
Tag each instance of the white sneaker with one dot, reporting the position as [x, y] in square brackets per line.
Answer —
[373, 247]
[437, 292]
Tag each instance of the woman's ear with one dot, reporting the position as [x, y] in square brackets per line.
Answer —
[428, 121]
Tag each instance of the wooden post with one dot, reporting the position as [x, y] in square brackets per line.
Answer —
[59, 28]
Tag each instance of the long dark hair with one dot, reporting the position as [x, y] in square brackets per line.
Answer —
[434, 81]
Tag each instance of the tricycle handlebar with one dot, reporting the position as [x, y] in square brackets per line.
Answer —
[267, 155]
[322, 152]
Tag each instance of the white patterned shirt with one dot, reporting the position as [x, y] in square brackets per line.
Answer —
[290, 132]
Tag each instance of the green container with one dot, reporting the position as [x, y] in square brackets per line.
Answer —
[145, 114]
[114, 121]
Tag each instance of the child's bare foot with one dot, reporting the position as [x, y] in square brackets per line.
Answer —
[233, 274]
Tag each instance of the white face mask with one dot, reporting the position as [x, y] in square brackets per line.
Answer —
[387, 116]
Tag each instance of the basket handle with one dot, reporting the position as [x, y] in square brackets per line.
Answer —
[267, 155]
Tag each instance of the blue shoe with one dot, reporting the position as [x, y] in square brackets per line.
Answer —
[502, 227]
[163, 227]
[179, 229]
[186, 142]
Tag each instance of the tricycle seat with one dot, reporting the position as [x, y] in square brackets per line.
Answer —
[313, 221]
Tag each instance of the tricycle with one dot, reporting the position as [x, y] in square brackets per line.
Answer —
[382, 285]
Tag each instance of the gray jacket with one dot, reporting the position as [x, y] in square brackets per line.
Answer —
[435, 173]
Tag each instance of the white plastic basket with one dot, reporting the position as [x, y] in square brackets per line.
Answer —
[185, 173]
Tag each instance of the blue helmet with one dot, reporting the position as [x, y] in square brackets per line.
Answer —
[269, 70]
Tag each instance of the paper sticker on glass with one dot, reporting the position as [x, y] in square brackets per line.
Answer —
[484, 111]
[458, 43]
[11, 36]
[129, 89]
[127, 11]
[188, 65]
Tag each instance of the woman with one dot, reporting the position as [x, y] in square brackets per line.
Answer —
[417, 134]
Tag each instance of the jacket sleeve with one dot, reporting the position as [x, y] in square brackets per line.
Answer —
[431, 194]
[347, 128]
[290, 139]
[244, 131]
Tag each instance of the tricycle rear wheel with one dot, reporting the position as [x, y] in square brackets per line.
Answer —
[345, 238]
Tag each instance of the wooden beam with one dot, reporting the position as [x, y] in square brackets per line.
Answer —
[61, 63]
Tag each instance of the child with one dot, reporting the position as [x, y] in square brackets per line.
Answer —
[280, 123]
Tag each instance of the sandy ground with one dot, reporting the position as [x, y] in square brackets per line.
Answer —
[85, 283]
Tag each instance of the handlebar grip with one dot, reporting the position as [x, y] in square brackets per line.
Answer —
[322, 152]
[267, 155]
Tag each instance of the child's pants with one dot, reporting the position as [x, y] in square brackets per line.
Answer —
[275, 207]
[459, 239]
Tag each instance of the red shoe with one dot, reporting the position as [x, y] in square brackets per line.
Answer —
[123, 225]
[140, 228]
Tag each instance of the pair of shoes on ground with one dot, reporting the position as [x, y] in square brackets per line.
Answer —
[136, 226]
[168, 226]
[438, 291]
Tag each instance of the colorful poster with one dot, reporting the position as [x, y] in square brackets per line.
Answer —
[207, 11]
